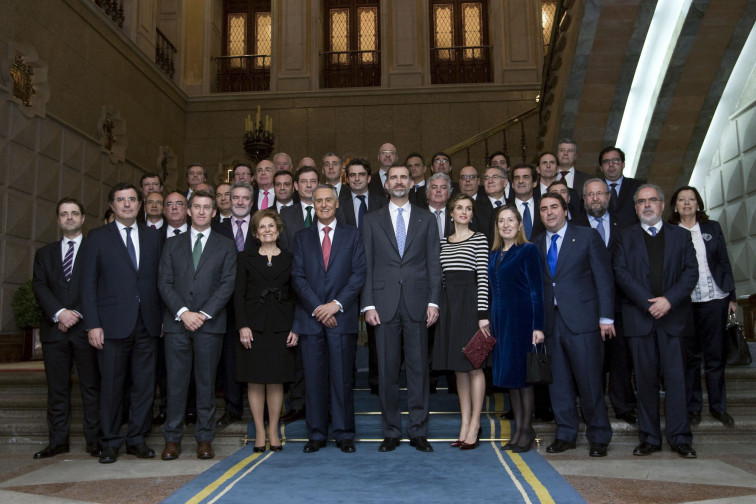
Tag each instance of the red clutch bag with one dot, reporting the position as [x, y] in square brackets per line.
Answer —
[478, 348]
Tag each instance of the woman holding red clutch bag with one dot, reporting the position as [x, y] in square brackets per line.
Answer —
[517, 317]
[464, 310]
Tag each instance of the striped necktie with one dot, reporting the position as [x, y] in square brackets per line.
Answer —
[68, 261]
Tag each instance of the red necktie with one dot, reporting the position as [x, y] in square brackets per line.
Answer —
[564, 174]
[326, 246]
[265, 201]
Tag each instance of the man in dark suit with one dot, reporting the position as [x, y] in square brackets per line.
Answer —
[242, 173]
[56, 285]
[418, 194]
[333, 169]
[621, 188]
[174, 209]
[548, 173]
[122, 315]
[578, 297]
[195, 174]
[656, 268]
[328, 273]
[265, 193]
[439, 190]
[524, 181]
[568, 153]
[387, 156]
[495, 183]
[401, 295]
[222, 203]
[196, 280]
[570, 196]
[299, 215]
[283, 184]
[617, 361]
[237, 229]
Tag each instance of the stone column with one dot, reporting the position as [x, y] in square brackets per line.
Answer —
[401, 44]
[294, 22]
[518, 45]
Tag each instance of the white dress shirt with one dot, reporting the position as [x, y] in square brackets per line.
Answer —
[64, 249]
[134, 237]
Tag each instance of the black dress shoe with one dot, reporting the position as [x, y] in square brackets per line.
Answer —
[597, 450]
[694, 417]
[108, 455]
[293, 416]
[374, 390]
[312, 446]
[628, 417]
[725, 418]
[51, 450]
[159, 419]
[559, 446]
[685, 450]
[190, 418]
[346, 445]
[388, 444]
[276, 448]
[420, 443]
[140, 450]
[94, 449]
[645, 448]
[226, 420]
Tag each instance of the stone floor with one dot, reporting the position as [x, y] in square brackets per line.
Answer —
[723, 473]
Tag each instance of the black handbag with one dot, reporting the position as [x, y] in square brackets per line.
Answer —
[539, 367]
[738, 353]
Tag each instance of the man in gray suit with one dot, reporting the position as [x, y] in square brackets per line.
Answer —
[196, 280]
[400, 298]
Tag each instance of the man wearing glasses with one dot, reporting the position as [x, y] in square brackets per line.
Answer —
[495, 183]
[621, 188]
[387, 156]
[265, 194]
[175, 215]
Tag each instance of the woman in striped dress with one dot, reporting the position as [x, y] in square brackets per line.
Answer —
[464, 310]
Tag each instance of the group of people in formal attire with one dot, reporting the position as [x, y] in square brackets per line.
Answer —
[263, 281]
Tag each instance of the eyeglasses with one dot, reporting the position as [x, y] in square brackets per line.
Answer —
[468, 177]
[597, 194]
[493, 177]
[177, 204]
[643, 201]
[606, 162]
[441, 161]
[387, 153]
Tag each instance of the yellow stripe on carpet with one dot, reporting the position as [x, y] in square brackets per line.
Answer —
[212, 487]
[543, 495]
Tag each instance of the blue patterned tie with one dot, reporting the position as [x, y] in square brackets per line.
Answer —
[652, 230]
[130, 248]
[551, 256]
[527, 221]
[401, 233]
[600, 228]
[363, 209]
[239, 239]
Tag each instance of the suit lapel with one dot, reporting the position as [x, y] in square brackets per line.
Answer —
[542, 249]
[209, 249]
[313, 236]
[388, 228]
[639, 243]
[567, 248]
[414, 223]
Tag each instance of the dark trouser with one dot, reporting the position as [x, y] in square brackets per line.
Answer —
[706, 341]
[619, 364]
[660, 352]
[59, 357]
[182, 352]
[389, 344]
[135, 352]
[232, 389]
[161, 381]
[328, 357]
[372, 358]
[577, 359]
[297, 388]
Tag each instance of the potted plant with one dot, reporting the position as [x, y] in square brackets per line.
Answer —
[27, 314]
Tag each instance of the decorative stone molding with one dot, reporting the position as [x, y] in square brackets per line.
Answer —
[25, 75]
[111, 130]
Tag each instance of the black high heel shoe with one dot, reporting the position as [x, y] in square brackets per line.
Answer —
[258, 449]
[526, 447]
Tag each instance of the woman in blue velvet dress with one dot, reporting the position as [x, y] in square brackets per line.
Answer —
[517, 318]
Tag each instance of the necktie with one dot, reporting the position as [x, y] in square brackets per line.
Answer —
[326, 246]
[653, 231]
[564, 174]
[176, 232]
[551, 256]
[197, 250]
[363, 209]
[613, 197]
[308, 219]
[265, 201]
[68, 261]
[527, 221]
[239, 235]
[401, 233]
[600, 228]
[439, 222]
[130, 248]
[497, 204]
[153, 226]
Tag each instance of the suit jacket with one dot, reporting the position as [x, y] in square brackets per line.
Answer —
[579, 179]
[419, 196]
[52, 291]
[631, 269]
[226, 229]
[271, 199]
[374, 202]
[294, 222]
[535, 215]
[614, 227]
[415, 276]
[316, 285]
[376, 185]
[575, 205]
[717, 258]
[113, 292]
[483, 212]
[207, 289]
[582, 283]
[624, 207]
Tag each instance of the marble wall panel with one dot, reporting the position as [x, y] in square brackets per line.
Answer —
[732, 180]
[728, 147]
[21, 168]
[19, 216]
[747, 130]
[714, 196]
[48, 179]
[17, 263]
[50, 140]
[46, 223]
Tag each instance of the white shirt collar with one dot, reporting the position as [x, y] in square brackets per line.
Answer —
[658, 226]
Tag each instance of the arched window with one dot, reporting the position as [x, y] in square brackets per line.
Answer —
[459, 42]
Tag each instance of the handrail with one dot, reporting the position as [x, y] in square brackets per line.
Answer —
[492, 130]
[351, 52]
[216, 58]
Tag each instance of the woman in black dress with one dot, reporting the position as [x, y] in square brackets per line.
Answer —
[264, 308]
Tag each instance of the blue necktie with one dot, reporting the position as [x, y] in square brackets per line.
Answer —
[527, 221]
[652, 230]
[363, 209]
[130, 248]
[498, 203]
[600, 228]
[551, 256]
[401, 233]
